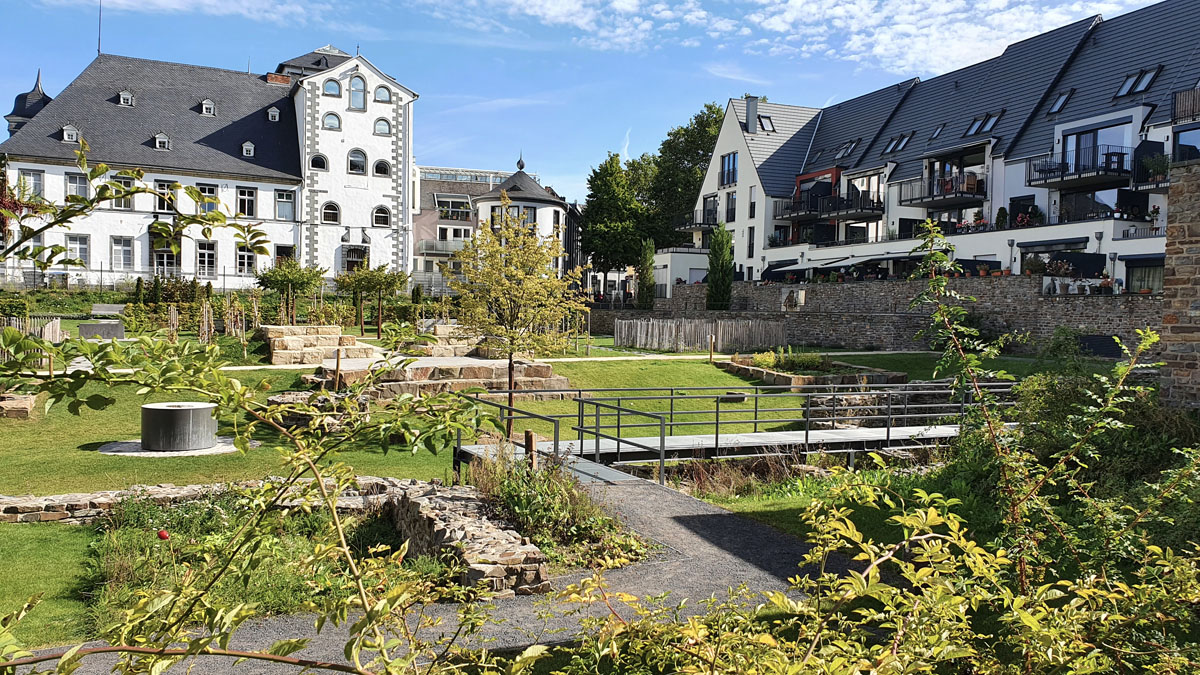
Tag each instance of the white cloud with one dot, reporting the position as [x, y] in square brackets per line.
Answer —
[732, 71]
[276, 11]
[625, 6]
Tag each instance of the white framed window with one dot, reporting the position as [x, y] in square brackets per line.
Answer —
[123, 203]
[245, 261]
[208, 108]
[125, 98]
[247, 149]
[382, 168]
[121, 257]
[164, 201]
[273, 114]
[332, 88]
[162, 142]
[206, 259]
[381, 217]
[319, 163]
[247, 201]
[382, 127]
[207, 191]
[358, 93]
[331, 214]
[32, 182]
[166, 262]
[70, 134]
[383, 94]
[331, 122]
[285, 205]
[77, 248]
[357, 162]
[77, 184]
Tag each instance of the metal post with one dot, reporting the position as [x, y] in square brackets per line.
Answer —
[756, 410]
[672, 410]
[556, 438]
[717, 429]
[618, 413]
[833, 419]
[807, 417]
[889, 418]
[662, 450]
[579, 400]
[457, 457]
[596, 456]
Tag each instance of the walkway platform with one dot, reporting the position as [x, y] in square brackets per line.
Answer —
[585, 470]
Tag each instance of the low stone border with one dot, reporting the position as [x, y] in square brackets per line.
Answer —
[867, 375]
[431, 516]
[133, 448]
[17, 406]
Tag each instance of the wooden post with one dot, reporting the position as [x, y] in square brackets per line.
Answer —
[711, 340]
[531, 449]
[337, 372]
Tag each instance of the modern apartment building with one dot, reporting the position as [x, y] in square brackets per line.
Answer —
[319, 152]
[1059, 145]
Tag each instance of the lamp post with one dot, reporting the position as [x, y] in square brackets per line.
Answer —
[1011, 258]
[1112, 260]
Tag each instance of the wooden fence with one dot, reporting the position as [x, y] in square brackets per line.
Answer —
[46, 328]
[680, 335]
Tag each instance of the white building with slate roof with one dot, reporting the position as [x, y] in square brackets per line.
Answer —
[319, 152]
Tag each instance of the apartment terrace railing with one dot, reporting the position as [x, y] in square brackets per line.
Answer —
[1185, 106]
[804, 206]
[1143, 232]
[854, 206]
[703, 218]
[1097, 166]
[1152, 173]
[454, 214]
[438, 246]
[683, 249]
[962, 190]
[863, 239]
[726, 177]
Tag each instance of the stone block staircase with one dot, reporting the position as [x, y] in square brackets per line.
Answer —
[421, 378]
[304, 345]
[449, 342]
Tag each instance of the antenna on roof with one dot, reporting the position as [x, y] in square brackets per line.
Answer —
[247, 65]
[356, 50]
[99, 25]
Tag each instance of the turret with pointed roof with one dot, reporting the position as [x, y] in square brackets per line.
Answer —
[27, 105]
[521, 187]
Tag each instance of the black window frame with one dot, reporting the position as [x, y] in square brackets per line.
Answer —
[1060, 101]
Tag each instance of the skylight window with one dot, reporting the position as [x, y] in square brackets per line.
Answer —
[891, 146]
[1138, 82]
[974, 128]
[1060, 101]
[765, 123]
[937, 131]
[989, 123]
[247, 149]
[207, 107]
[126, 98]
[983, 124]
[845, 149]
[902, 142]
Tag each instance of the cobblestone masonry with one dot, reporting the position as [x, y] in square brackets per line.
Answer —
[432, 517]
[875, 314]
[1180, 383]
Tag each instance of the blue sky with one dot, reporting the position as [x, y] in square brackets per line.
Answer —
[562, 81]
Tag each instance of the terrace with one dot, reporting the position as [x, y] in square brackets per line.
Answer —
[968, 189]
[1098, 167]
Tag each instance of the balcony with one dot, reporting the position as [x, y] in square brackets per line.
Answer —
[1185, 106]
[461, 215]
[1145, 231]
[969, 189]
[440, 247]
[855, 206]
[726, 177]
[1098, 167]
[703, 219]
[692, 250]
[803, 207]
[1153, 174]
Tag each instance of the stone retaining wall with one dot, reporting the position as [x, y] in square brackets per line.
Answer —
[867, 376]
[289, 345]
[431, 516]
[1180, 374]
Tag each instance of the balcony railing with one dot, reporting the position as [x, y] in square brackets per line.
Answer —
[706, 218]
[438, 246]
[1152, 173]
[864, 239]
[855, 206]
[726, 177]
[454, 214]
[1143, 232]
[1107, 165]
[804, 205]
[1185, 106]
[961, 190]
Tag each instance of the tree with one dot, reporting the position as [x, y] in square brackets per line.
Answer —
[509, 292]
[640, 172]
[350, 283]
[380, 282]
[645, 276]
[609, 234]
[683, 158]
[290, 279]
[720, 268]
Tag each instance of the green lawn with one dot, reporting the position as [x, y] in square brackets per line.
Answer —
[48, 559]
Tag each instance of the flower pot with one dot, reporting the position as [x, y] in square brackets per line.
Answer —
[996, 273]
[1028, 273]
[1006, 273]
[1144, 291]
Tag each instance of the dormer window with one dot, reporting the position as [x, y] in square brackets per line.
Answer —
[208, 108]
[162, 142]
[70, 134]
[273, 114]
[247, 149]
[126, 98]
[383, 95]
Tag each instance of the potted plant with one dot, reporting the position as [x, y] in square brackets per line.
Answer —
[1155, 212]
[1059, 268]
[1006, 272]
[982, 269]
[1001, 218]
[1035, 215]
[1157, 166]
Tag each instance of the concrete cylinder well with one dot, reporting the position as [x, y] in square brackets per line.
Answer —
[178, 426]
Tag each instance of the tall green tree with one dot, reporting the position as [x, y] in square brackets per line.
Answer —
[645, 276]
[609, 233]
[720, 269]
[290, 280]
[683, 158]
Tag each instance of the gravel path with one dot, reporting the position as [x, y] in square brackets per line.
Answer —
[703, 551]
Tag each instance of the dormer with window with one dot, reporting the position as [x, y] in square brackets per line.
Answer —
[273, 114]
[247, 149]
[162, 141]
[125, 98]
[208, 108]
[70, 134]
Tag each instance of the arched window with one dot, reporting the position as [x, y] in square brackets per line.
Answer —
[358, 162]
[358, 93]
[319, 163]
[381, 217]
[383, 94]
[383, 127]
[382, 168]
[332, 122]
[332, 88]
[331, 214]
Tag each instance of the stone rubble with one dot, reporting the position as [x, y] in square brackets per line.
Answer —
[433, 517]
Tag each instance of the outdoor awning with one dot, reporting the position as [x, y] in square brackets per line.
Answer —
[1143, 259]
[955, 148]
[837, 262]
[1052, 244]
[794, 267]
[892, 257]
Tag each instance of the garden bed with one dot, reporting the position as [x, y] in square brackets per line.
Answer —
[839, 373]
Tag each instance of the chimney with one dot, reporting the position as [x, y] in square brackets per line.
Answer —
[277, 78]
[751, 114]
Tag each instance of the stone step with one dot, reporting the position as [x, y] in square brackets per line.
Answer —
[355, 352]
[390, 389]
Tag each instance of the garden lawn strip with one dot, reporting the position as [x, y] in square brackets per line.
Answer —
[49, 559]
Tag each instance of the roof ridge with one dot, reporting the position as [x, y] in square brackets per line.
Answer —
[257, 76]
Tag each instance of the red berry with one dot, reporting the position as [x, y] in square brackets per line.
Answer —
[162, 534]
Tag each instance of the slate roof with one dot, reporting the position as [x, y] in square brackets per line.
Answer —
[430, 188]
[523, 188]
[858, 118]
[1164, 33]
[777, 155]
[1014, 82]
[316, 61]
[167, 100]
[31, 102]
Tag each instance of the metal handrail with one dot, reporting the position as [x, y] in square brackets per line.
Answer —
[525, 414]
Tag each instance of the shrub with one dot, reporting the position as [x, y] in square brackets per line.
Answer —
[764, 360]
[15, 306]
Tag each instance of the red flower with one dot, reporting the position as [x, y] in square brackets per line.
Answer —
[163, 534]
